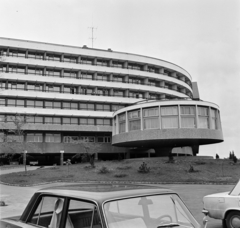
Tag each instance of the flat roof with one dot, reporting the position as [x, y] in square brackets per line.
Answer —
[103, 192]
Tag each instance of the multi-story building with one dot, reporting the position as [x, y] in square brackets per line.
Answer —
[71, 93]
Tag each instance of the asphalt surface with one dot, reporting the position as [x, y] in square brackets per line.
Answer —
[17, 198]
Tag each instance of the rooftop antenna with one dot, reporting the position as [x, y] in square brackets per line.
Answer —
[92, 38]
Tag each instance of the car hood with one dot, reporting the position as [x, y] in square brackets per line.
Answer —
[221, 194]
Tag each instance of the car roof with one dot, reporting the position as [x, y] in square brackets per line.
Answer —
[104, 192]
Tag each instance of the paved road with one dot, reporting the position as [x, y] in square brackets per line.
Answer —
[17, 197]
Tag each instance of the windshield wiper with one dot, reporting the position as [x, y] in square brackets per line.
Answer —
[168, 225]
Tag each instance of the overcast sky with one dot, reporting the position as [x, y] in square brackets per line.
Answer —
[202, 36]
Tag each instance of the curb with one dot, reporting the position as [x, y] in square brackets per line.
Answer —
[116, 182]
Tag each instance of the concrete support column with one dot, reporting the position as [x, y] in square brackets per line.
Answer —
[174, 74]
[174, 87]
[145, 82]
[209, 118]
[196, 117]
[25, 159]
[126, 93]
[79, 74]
[25, 86]
[126, 122]
[61, 157]
[44, 87]
[62, 58]
[162, 84]
[96, 156]
[26, 70]
[145, 67]
[95, 90]
[7, 68]
[126, 78]
[95, 61]
[125, 64]
[161, 71]
[7, 52]
[111, 77]
[182, 78]
[146, 95]
[183, 90]
[62, 73]
[110, 63]
[44, 55]
[95, 76]
[62, 89]
[162, 96]
[79, 59]
[44, 71]
[26, 54]
[111, 92]
[78, 89]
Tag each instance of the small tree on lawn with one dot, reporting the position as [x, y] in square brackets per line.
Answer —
[12, 139]
[90, 149]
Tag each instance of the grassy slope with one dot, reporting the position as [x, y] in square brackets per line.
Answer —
[207, 171]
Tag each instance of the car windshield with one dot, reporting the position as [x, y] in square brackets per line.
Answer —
[149, 212]
[236, 190]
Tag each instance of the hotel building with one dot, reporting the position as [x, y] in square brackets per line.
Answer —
[132, 105]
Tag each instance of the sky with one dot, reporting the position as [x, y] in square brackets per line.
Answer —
[201, 36]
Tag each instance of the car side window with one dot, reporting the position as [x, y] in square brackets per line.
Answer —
[48, 212]
[82, 214]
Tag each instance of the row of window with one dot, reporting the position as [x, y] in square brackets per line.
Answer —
[58, 105]
[59, 120]
[83, 90]
[54, 138]
[190, 117]
[89, 76]
[89, 61]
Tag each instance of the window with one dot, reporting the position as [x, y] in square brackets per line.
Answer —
[17, 103]
[134, 66]
[37, 71]
[72, 120]
[214, 122]
[203, 121]
[103, 107]
[169, 117]
[86, 61]
[118, 79]
[134, 120]
[118, 93]
[86, 106]
[87, 76]
[104, 122]
[70, 105]
[82, 214]
[102, 77]
[70, 59]
[2, 102]
[53, 138]
[35, 55]
[134, 81]
[70, 74]
[188, 117]
[101, 62]
[117, 107]
[86, 121]
[52, 120]
[53, 73]
[37, 137]
[51, 88]
[53, 57]
[151, 118]
[102, 92]
[117, 64]
[48, 212]
[122, 122]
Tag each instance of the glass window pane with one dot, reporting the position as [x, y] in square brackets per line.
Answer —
[151, 123]
[134, 125]
[66, 121]
[171, 110]
[170, 122]
[188, 122]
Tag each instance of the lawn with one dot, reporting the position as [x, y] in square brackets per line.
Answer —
[219, 171]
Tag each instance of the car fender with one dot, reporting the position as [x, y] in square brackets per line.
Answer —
[229, 210]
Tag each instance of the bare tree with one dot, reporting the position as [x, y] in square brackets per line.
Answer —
[12, 137]
[90, 149]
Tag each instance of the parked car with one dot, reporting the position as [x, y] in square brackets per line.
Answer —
[104, 206]
[224, 206]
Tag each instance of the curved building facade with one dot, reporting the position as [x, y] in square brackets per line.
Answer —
[69, 93]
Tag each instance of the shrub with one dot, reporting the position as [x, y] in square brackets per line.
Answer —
[2, 203]
[103, 170]
[119, 175]
[143, 168]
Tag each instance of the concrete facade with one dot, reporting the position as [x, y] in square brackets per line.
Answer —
[68, 93]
